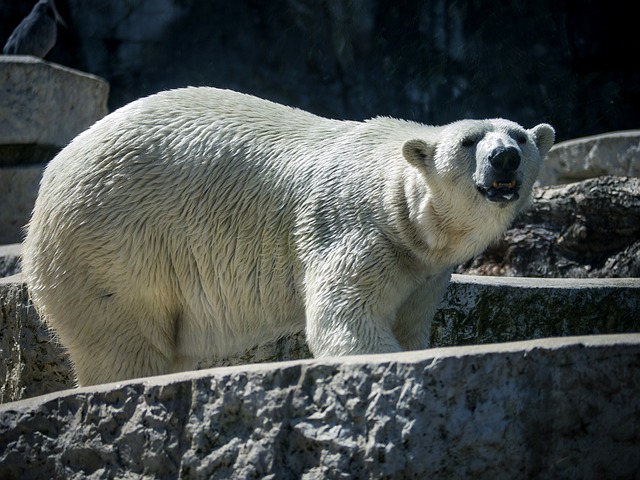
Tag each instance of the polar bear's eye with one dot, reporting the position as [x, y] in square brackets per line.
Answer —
[468, 142]
[522, 139]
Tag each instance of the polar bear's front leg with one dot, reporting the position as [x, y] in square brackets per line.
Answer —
[415, 315]
[344, 318]
[337, 330]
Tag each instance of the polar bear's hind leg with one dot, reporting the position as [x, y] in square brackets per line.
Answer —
[119, 344]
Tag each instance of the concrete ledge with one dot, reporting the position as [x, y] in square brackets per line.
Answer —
[31, 363]
[475, 310]
[9, 259]
[479, 309]
[555, 408]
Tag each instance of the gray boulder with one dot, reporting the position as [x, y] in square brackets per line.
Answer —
[614, 153]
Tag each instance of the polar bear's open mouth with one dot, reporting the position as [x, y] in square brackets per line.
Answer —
[500, 191]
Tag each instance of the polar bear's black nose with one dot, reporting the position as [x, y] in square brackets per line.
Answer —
[505, 159]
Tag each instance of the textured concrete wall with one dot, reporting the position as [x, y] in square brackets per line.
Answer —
[478, 309]
[555, 408]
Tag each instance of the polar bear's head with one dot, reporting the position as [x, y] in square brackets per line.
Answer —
[498, 158]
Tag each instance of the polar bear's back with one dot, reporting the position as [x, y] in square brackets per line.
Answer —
[181, 155]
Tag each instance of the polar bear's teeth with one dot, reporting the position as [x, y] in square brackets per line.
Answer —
[508, 196]
[497, 184]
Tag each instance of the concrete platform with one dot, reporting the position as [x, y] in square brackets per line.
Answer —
[43, 106]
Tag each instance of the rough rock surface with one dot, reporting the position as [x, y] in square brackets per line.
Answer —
[585, 229]
[549, 409]
[47, 104]
[614, 153]
[31, 363]
[475, 310]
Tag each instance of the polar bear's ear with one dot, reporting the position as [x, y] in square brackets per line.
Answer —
[544, 135]
[420, 154]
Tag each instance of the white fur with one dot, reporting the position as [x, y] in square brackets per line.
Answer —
[200, 222]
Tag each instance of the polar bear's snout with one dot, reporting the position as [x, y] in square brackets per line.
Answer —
[505, 160]
[502, 184]
[498, 176]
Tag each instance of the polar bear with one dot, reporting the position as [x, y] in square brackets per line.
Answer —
[199, 222]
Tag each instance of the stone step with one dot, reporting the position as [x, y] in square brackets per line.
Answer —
[44, 103]
[554, 408]
[18, 192]
[475, 310]
[43, 106]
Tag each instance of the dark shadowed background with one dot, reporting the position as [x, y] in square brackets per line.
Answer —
[571, 63]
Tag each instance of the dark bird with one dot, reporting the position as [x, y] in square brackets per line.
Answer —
[37, 33]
